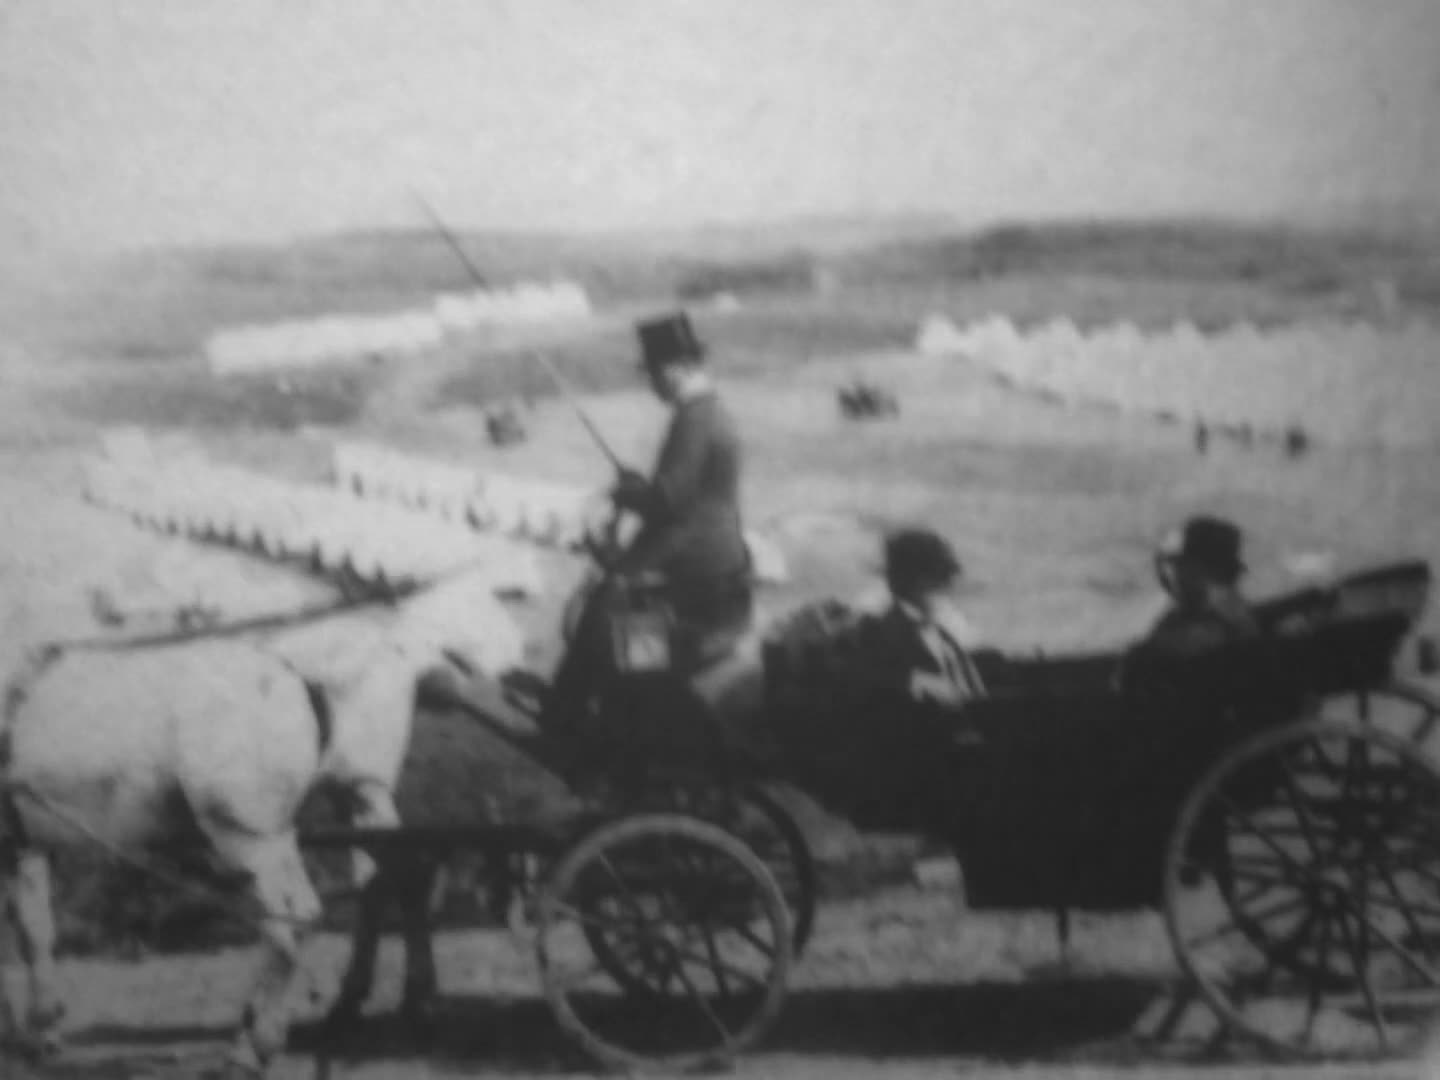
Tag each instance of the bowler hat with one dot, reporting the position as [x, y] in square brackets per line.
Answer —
[668, 339]
[919, 557]
[1212, 543]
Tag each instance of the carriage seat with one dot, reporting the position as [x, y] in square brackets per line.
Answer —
[733, 679]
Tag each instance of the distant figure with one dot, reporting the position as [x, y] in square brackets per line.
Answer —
[504, 426]
[1296, 442]
[1203, 580]
[863, 400]
[1202, 438]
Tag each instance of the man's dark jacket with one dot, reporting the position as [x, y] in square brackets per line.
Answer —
[691, 531]
[691, 528]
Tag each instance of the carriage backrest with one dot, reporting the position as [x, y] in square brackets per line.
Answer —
[1007, 675]
[1338, 638]
[1397, 592]
[1401, 590]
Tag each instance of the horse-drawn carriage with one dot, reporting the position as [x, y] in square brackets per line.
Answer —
[1273, 801]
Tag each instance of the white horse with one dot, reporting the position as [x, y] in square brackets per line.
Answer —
[126, 748]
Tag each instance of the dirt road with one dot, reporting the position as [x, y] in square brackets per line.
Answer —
[899, 985]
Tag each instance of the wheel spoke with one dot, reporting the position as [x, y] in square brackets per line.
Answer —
[1302, 810]
[631, 940]
[1329, 766]
[1216, 933]
[1248, 822]
[1294, 944]
[755, 939]
[626, 894]
[699, 998]
[1316, 992]
[593, 921]
[1353, 944]
[1357, 762]
[721, 983]
[1400, 903]
[718, 963]
[1422, 866]
[1254, 873]
[1396, 901]
[1395, 946]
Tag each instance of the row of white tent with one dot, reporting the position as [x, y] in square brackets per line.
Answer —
[324, 529]
[340, 338]
[549, 513]
[1348, 383]
[459, 312]
[419, 511]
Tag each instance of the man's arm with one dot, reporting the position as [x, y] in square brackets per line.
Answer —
[676, 482]
[889, 662]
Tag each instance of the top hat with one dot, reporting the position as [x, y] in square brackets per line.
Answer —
[920, 557]
[668, 339]
[1213, 544]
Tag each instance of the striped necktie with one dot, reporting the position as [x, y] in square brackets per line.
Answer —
[954, 663]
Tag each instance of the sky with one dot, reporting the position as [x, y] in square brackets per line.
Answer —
[135, 122]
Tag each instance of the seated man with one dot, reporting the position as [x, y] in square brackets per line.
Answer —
[907, 676]
[907, 648]
[1208, 612]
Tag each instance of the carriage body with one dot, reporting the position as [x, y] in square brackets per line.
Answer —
[1064, 787]
[1061, 786]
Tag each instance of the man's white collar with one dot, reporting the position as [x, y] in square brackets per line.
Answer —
[693, 386]
[913, 613]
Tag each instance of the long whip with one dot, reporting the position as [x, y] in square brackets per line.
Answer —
[561, 383]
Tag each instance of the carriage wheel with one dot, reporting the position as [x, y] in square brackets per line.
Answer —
[756, 817]
[1302, 889]
[1399, 707]
[690, 905]
[751, 814]
[773, 835]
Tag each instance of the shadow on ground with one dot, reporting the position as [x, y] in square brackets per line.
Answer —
[994, 1021]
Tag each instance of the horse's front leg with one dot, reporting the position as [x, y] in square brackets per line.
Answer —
[374, 808]
[359, 975]
[419, 878]
[291, 909]
[400, 877]
[28, 899]
[408, 883]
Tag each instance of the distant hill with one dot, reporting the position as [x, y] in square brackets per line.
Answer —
[166, 302]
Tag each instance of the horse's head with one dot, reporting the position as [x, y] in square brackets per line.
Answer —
[460, 624]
